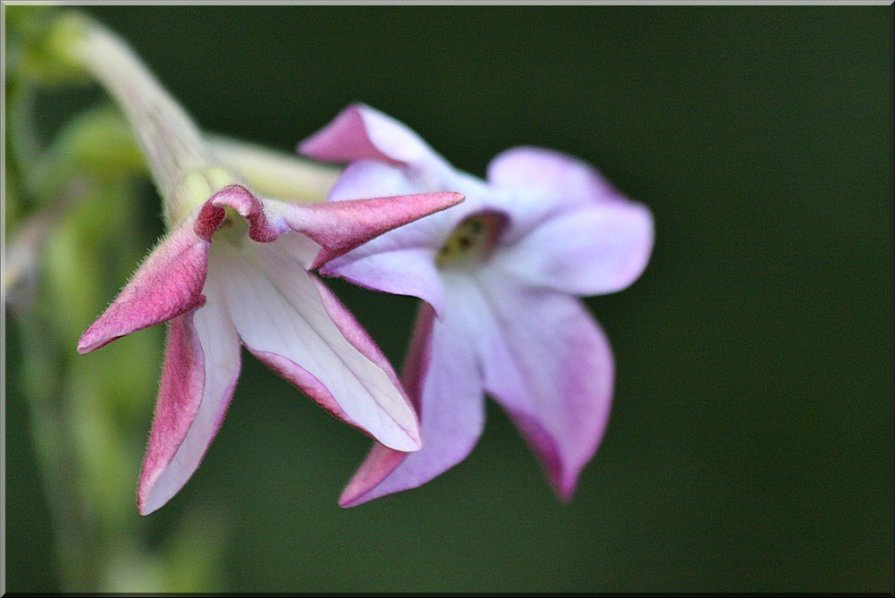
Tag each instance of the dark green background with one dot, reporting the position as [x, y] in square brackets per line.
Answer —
[750, 445]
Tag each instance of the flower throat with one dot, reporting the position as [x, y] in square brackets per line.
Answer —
[472, 240]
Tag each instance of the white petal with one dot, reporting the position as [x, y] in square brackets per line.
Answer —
[602, 248]
[443, 374]
[549, 364]
[282, 319]
[172, 457]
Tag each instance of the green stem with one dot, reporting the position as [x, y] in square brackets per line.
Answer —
[184, 169]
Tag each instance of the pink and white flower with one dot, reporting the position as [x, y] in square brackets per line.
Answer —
[251, 286]
[499, 274]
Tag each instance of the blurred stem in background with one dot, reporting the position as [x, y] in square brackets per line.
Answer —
[75, 231]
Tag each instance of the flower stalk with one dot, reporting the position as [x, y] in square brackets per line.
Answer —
[184, 169]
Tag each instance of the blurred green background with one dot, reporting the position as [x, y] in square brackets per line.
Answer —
[750, 446]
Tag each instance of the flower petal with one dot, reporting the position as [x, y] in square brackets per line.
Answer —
[167, 284]
[366, 178]
[354, 332]
[543, 173]
[600, 249]
[401, 271]
[442, 375]
[199, 375]
[534, 184]
[283, 320]
[401, 261]
[341, 226]
[360, 132]
[553, 372]
[381, 460]
[264, 226]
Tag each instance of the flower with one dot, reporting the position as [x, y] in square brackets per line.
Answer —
[499, 274]
[252, 286]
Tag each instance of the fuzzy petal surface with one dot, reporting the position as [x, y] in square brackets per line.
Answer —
[339, 227]
[198, 378]
[167, 284]
[553, 372]
[265, 225]
[283, 319]
[442, 375]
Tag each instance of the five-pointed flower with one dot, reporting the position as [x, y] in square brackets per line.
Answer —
[499, 273]
[252, 286]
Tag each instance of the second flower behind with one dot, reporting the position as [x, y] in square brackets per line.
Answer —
[499, 273]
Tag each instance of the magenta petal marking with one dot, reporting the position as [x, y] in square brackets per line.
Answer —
[553, 374]
[354, 333]
[199, 375]
[401, 261]
[167, 284]
[341, 226]
[277, 308]
[237, 197]
[179, 397]
[344, 139]
[360, 132]
[306, 382]
[382, 461]
[547, 449]
[419, 354]
[208, 220]
[451, 405]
